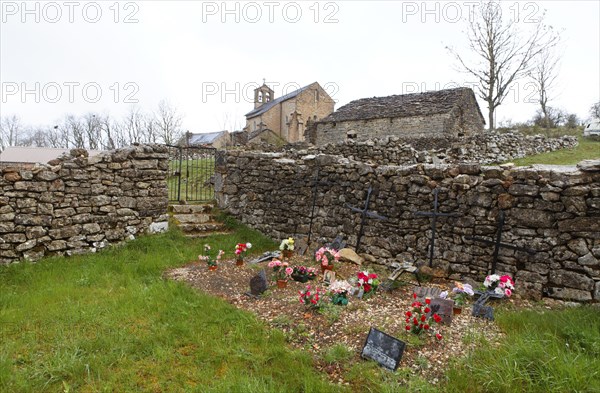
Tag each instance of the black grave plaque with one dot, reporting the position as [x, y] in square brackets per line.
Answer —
[443, 308]
[384, 349]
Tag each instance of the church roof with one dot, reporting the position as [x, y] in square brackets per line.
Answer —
[406, 105]
[265, 107]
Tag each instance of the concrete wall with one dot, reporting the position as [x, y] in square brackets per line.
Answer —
[78, 204]
[555, 211]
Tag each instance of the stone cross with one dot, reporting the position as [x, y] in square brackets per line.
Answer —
[315, 184]
[497, 243]
[364, 213]
[434, 215]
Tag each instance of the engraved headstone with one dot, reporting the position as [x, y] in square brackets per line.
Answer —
[258, 284]
[426, 292]
[384, 349]
[443, 308]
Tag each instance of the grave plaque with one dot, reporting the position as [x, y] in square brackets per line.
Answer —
[384, 349]
[443, 308]
[267, 256]
[482, 311]
[258, 284]
[426, 292]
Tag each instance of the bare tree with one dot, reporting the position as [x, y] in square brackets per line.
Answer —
[502, 56]
[544, 75]
[35, 136]
[151, 129]
[133, 125]
[74, 130]
[10, 131]
[93, 130]
[169, 122]
[595, 110]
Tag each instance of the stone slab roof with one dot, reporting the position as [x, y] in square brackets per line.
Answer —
[407, 105]
[265, 107]
[206, 138]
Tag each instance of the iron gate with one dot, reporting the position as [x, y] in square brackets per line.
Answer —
[191, 173]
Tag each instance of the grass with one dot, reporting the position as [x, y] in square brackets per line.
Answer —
[588, 148]
[551, 351]
[192, 181]
[111, 322]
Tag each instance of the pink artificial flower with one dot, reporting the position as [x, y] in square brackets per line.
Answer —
[507, 292]
[289, 271]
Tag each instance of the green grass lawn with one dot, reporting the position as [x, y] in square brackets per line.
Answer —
[110, 322]
[588, 148]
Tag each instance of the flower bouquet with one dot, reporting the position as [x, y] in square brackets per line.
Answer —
[312, 298]
[281, 271]
[459, 294]
[303, 273]
[367, 283]
[338, 291]
[499, 285]
[326, 257]
[210, 261]
[240, 250]
[417, 320]
[287, 247]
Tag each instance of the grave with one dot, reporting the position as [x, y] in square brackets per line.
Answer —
[443, 308]
[267, 256]
[426, 292]
[434, 215]
[364, 214]
[406, 267]
[383, 348]
[258, 284]
[497, 242]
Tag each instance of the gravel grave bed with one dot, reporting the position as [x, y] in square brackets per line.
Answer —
[316, 332]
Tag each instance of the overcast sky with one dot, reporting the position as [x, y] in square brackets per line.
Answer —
[206, 58]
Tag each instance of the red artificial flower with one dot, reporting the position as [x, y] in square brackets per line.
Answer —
[415, 322]
[367, 287]
[422, 318]
[437, 318]
[407, 320]
[426, 327]
[427, 309]
[414, 295]
[408, 314]
[407, 327]
[428, 301]
[372, 276]
[438, 336]
[416, 304]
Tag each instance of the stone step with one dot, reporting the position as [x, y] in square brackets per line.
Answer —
[202, 228]
[199, 218]
[198, 235]
[191, 209]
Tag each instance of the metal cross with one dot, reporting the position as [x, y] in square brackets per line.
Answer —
[316, 183]
[434, 215]
[364, 213]
[498, 244]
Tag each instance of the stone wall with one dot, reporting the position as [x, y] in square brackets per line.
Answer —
[553, 210]
[485, 148]
[77, 204]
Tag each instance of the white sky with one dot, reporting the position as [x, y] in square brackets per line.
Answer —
[207, 68]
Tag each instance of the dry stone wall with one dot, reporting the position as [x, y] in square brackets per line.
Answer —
[77, 204]
[485, 148]
[553, 210]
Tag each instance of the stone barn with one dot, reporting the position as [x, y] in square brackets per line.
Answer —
[451, 112]
[287, 117]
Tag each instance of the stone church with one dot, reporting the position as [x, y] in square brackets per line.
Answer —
[451, 112]
[286, 118]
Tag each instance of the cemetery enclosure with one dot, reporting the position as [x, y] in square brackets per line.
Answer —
[553, 212]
